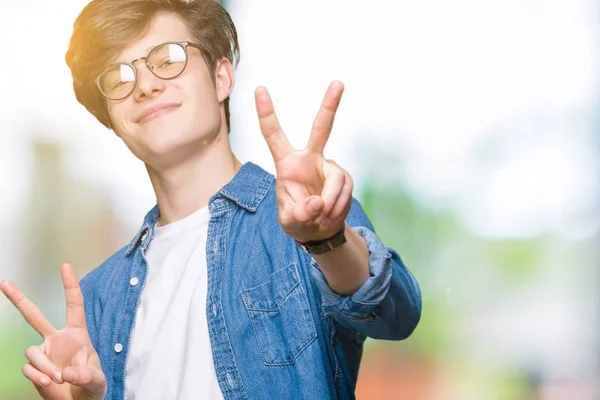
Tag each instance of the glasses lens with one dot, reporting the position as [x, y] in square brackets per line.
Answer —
[167, 60]
[117, 81]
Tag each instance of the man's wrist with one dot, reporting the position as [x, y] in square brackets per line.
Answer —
[323, 246]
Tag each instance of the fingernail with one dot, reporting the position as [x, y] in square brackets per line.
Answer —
[44, 381]
[58, 377]
[319, 219]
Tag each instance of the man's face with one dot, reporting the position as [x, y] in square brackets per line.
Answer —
[187, 108]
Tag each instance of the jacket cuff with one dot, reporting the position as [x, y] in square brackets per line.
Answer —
[372, 291]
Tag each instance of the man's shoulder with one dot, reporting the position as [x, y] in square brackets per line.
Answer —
[101, 274]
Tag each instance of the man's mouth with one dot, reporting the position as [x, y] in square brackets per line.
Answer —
[157, 112]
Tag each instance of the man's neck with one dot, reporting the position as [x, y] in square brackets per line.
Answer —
[182, 189]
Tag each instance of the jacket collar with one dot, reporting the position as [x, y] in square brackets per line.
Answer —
[247, 189]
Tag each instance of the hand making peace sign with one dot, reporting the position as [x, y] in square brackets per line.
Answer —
[314, 195]
[65, 365]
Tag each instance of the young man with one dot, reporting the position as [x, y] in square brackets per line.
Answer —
[237, 285]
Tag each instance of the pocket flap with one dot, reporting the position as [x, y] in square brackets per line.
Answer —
[268, 296]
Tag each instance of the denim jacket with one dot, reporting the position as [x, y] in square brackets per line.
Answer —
[277, 330]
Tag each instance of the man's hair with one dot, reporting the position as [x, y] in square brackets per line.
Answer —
[106, 27]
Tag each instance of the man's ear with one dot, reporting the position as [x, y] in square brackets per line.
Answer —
[224, 79]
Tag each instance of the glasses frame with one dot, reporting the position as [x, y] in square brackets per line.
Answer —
[183, 45]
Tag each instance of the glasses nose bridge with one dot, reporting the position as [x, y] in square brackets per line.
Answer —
[140, 59]
[138, 72]
[146, 81]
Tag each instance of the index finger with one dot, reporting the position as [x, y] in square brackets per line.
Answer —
[269, 125]
[75, 305]
[32, 314]
[324, 120]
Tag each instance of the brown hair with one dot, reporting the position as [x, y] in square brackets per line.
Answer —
[106, 27]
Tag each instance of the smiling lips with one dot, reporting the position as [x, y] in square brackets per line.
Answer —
[156, 112]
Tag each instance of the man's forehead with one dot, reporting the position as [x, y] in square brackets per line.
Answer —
[163, 28]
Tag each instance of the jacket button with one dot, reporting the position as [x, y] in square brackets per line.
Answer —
[118, 347]
[230, 380]
[134, 281]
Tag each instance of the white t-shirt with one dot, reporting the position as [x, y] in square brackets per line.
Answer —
[170, 355]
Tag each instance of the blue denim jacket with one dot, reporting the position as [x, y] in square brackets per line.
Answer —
[277, 330]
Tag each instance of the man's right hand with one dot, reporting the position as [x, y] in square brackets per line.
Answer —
[65, 366]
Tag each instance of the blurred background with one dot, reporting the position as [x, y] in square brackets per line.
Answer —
[470, 128]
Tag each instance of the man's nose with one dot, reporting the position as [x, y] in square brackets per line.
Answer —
[148, 84]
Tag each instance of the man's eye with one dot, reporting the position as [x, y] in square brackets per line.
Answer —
[164, 63]
[118, 84]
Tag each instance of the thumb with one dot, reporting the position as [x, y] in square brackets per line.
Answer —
[309, 209]
[315, 205]
[87, 377]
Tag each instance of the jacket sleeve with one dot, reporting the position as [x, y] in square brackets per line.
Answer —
[388, 304]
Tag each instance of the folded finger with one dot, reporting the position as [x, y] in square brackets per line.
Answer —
[334, 182]
[38, 378]
[42, 363]
[343, 202]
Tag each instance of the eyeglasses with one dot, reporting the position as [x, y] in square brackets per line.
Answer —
[165, 61]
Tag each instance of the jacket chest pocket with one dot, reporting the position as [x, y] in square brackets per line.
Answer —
[280, 316]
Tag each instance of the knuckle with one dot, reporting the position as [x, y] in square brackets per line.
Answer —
[349, 179]
[82, 378]
[321, 130]
[30, 352]
[285, 220]
[25, 369]
[33, 317]
[335, 175]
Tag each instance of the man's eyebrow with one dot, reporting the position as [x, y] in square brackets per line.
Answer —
[146, 51]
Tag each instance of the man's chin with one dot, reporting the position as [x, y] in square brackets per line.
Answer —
[168, 152]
